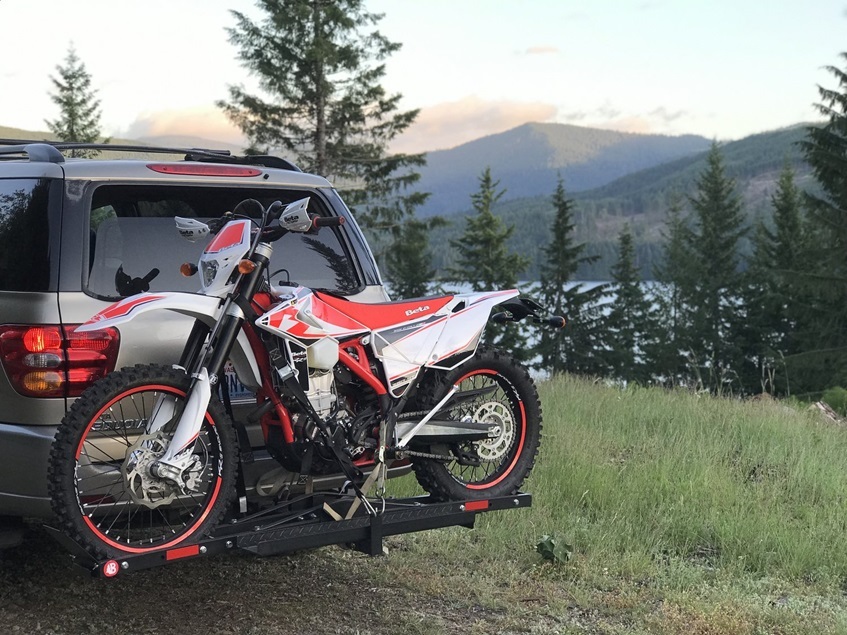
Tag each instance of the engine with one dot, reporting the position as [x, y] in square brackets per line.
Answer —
[321, 391]
[346, 405]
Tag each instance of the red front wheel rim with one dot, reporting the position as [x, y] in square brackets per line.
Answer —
[107, 508]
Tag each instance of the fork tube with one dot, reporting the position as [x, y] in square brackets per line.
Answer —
[193, 345]
[233, 316]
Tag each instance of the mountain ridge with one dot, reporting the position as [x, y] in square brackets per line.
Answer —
[529, 158]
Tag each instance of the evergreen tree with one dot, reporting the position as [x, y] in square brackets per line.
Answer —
[319, 65]
[667, 350]
[825, 150]
[79, 118]
[823, 334]
[580, 347]
[629, 321]
[788, 226]
[772, 300]
[484, 261]
[715, 289]
[409, 259]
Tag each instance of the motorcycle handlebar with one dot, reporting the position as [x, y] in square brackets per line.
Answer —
[556, 322]
[327, 221]
[274, 210]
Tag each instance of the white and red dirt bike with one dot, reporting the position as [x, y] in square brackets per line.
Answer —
[148, 458]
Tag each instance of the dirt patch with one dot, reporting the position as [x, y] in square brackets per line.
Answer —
[329, 590]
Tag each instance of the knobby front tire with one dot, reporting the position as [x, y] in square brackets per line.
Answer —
[493, 388]
[100, 492]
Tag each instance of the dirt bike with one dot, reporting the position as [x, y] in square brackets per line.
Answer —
[148, 457]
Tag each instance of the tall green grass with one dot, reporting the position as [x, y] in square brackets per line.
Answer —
[651, 474]
[640, 479]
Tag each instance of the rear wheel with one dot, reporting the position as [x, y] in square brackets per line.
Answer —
[102, 490]
[494, 389]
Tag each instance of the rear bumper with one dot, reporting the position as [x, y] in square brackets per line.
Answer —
[24, 456]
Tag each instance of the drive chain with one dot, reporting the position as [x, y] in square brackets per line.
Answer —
[428, 455]
[423, 455]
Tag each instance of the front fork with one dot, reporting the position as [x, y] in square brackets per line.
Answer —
[178, 456]
[204, 358]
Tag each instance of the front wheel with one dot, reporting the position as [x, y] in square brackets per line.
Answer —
[493, 388]
[102, 490]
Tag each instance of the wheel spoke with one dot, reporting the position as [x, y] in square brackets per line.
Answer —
[122, 507]
[492, 405]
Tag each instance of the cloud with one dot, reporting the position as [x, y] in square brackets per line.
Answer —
[570, 117]
[637, 124]
[450, 124]
[201, 121]
[657, 121]
[607, 112]
[541, 50]
[668, 117]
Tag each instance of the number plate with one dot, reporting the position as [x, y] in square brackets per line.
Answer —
[238, 392]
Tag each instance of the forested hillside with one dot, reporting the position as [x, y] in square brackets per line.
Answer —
[528, 159]
[642, 199]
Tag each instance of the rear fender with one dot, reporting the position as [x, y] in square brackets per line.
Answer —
[464, 327]
[456, 341]
[205, 308]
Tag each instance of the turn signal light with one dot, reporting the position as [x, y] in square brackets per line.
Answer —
[246, 266]
[188, 269]
[42, 382]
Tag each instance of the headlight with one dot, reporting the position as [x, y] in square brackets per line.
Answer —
[210, 270]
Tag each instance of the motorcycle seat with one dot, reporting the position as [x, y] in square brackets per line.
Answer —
[379, 315]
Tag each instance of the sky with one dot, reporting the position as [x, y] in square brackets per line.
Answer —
[723, 69]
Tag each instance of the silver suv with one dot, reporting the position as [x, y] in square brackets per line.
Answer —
[78, 234]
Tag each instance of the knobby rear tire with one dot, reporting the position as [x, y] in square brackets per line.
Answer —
[511, 401]
[89, 492]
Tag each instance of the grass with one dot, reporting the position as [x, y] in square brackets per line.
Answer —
[688, 515]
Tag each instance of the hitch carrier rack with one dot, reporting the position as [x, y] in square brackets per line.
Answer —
[306, 522]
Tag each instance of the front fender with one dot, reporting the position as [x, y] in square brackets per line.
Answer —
[200, 307]
[205, 308]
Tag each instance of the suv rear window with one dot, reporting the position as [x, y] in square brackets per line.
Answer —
[132, 231]
[24, 235]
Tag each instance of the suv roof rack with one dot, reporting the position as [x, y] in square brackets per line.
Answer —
[50, 151]
[35, 150]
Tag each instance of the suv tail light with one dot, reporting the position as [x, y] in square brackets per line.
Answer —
[53, 361]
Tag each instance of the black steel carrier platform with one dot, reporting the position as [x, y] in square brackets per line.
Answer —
[315, 520]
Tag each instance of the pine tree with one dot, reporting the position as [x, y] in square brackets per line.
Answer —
[825, 150]
[788, 224]
[666, 350]
[484, 261]
[772, 299]
[319, 66]
[409, 260]
[79, 118]
[715, 290]
[580, 347]
[629, 321]
[823, 334]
